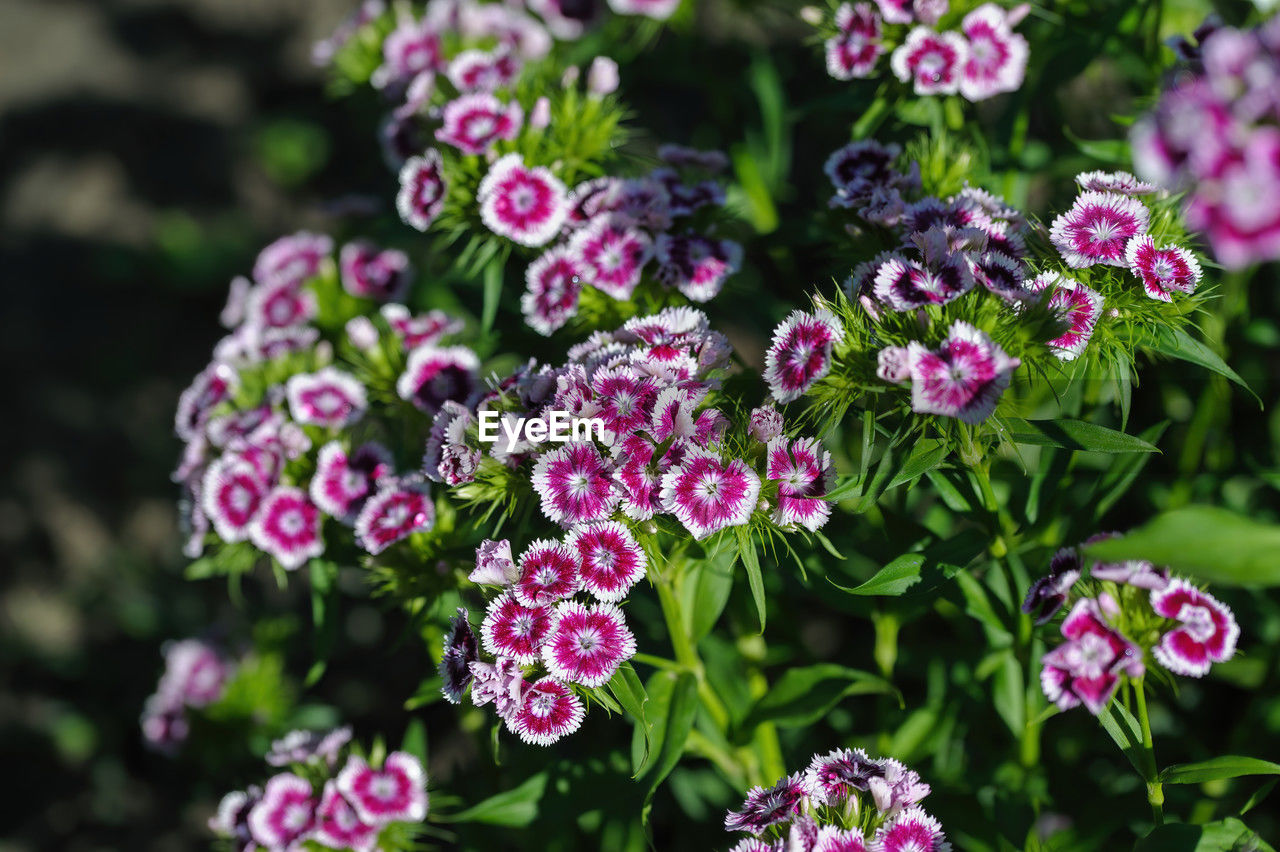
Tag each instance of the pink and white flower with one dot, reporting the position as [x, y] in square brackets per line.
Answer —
[420, 330]
[610, 560]
[279, 304]
[575, 484]
[1097, 228]
[610, 255]
[435, 374]
[1121, 183]
[422, 190]
[932, 62]
[195, 673]
[500, 683]
[766, 424]
[494, 564]
[637, 476]
[832, 839]
[963, 378]
[696, 265]
[548, 710]
[800, 353]
[912, 830]
[231, 494]
[706, 494]
[1079, 306]
[395, 793]
[553, 285]
[412, 48]
[896, 11]
[997, 57]
[373, 274]
[394, 513]
[803, 471]
[854, 50]
[834, 777]
[525, 205]
[511, 629]
[1206, 634]
[903, 284]
[343, 482]
[328, 397]
[293, 259]
[548, 573]
[1087, 667]
[659, 10]
[893, 365]
[588, 643]
[1162, 271]
[338, 825]
[287, 527]
[895, 787]
[285, 814]
[768, 807]
[473, 122]
[482, 71]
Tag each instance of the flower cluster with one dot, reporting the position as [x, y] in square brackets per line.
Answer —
[357, 807]
[1122, 616]
[663, 449]
[1107, 225]
[956, 300]
[195, 676]
[610, 229]
[845, 801]
[471, 151]
[978, 59]
[268, 424]
[557, 611]
[1215, 133]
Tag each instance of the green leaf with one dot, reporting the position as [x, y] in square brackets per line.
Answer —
[1124, 729]
[510, 809]
[751, 561]
[1228, 835]
[802, 696]
[891, 580]
[1073, 435]
[850, 486]
[1211, 544]
[1176, 343]
[678, 723]
[492, 292]
[1112, 151]
[927, 454]
[714, 583]
[415, 740]
[1224, 766]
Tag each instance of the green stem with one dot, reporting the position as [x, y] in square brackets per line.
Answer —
[1155, 790]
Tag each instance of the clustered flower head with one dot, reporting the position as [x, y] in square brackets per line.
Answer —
[271, 458]
[955, 287]
[195, 675]
[664, 449]
[466, 145]
[359, 807]
[553, 626]
[845, 801]
[1215, 134]
[1120, 618]
[978, 59]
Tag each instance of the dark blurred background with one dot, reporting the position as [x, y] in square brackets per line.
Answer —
[148, 148]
